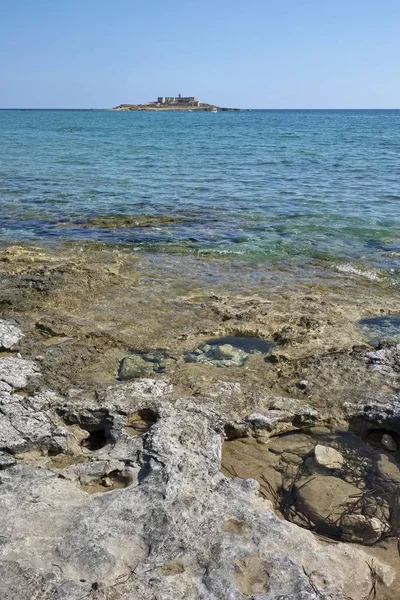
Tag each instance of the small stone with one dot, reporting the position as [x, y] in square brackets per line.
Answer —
[361, 529]
[225, 351]
[388, 442]
[235, 430]
[39, 358]
[328, 457]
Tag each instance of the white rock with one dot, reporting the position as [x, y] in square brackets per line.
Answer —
[328, 457]
[10, 334]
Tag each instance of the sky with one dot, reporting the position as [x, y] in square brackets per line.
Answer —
[236, 53]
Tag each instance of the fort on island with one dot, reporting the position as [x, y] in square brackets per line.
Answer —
[179, 99]
[179, 102]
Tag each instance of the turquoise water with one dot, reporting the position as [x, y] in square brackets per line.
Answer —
[314, 184]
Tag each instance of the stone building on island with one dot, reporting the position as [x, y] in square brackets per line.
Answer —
[179, 99]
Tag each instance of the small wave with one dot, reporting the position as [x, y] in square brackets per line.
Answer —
[372, 275]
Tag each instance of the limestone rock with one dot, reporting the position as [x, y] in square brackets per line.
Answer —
[280, 421]
[361, 529]
[328, 457]
[17, 372]
[10, 334]
[324, 499]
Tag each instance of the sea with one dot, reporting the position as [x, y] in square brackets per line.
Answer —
[320, 185]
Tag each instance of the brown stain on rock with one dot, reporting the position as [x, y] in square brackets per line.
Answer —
[250, 575]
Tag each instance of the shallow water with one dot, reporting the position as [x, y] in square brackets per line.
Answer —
[381, 328]
[315, 184]
[247, 344]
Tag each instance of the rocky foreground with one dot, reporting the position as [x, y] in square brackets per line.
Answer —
[209, 472]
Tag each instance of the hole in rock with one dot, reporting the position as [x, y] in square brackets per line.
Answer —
[331, 482]
[140, 422]
[380, 328]
[112, 481]
[97, 439]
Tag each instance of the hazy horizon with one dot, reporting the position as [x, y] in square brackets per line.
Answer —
[262, 55]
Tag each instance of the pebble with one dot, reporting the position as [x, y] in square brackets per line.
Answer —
[388, 442]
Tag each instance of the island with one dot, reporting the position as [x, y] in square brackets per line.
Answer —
[179, 102]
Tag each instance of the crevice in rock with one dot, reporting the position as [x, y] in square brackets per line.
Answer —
[97, 439]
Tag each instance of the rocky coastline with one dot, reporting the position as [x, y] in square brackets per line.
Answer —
[194, 429]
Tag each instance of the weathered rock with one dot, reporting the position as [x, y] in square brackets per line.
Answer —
[25, 422]
[361, 529]
[181, 530]
[280, 421]
[10, 334]
[234, 430]
[328, 457]
[324, 499]
[17, 372]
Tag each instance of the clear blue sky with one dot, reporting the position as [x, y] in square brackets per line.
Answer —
[246, 53]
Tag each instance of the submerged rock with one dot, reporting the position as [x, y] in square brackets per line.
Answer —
[324, 499]
[328, 457]
[361, 529]
[224, 355]
[389, 442]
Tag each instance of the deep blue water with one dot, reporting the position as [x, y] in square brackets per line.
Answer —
[318, 184]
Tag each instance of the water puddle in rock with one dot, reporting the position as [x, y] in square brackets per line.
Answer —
[144, 364]
[382, 328]
[228, 351]
[247, 344]
[331, 482]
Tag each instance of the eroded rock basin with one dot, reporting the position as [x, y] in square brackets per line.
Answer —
[318, 478]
